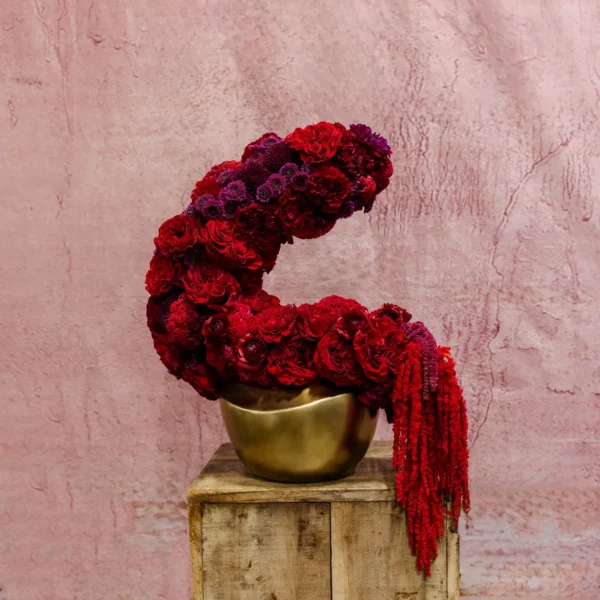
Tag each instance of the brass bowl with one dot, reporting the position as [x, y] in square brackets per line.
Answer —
[302, 437]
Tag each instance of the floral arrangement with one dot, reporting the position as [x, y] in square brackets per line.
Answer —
[212, 323]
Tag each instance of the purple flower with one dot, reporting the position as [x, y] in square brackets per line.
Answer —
[278, 155]
[190, 210]
[235, 190]
[231, 208]
[225, 176]
[289, 170]
[348, 209]
[373, 141]
[299, 181]
[419, 333]
[210, 208]
[263, 193]
[277, 183]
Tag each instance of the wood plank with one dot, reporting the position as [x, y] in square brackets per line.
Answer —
[370, 557]
[195, 529]
[453, 563]
[225, 480]
[266, 551]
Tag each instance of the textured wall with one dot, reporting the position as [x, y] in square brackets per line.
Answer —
[109, 111]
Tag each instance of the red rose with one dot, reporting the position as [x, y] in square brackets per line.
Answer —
[185, 324]
[292, 363]
[206, 284]
[298, 217]
[351, 321]
[328, 188]
[393, 312]
[315, 321]
[208, 185]
[377, 347]
[226, 248]
[251, 352]
[177, 235]
[250, 281]
[335, 358]
[260, 227]
[203, 379]
[366, 192]
[257, 301]
[382, 175]
[162, 275]
[316, 143]
[275, 323]
[167, 354]
[339, 304]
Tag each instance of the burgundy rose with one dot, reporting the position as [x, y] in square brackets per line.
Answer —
[216, 327]
[365, 191]
[382, 176]
[162, 275]
[260, 227]
[328, 188]
[251, 352]
[258, 300]
[203, 379]
[339, 303]
[177, 235]
[275, 323]
[207, 284]
[250, 148]
[378, 346]
[221, 355]
[224, 245]
[167, 354]
[208, 185]
[250, 281]
[393, 312]
[336, 361]
[315, 321]
[298, 217]
[316, 143]
[292, 363]
[351, 321]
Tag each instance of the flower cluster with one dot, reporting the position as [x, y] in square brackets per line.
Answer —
[212, 323]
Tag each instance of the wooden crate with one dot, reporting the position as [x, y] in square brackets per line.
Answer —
[344, 540]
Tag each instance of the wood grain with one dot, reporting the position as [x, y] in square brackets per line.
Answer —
[195, 531]
[272, 551]
[225, 480]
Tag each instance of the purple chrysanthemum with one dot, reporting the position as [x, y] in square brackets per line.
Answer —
[210, 208]
[235, 190]
[264, 194]
[348, 209]
[225, 176]
[277, 183]
[299, 181]
[375, 142]
[419, 333]
[289, 170]
[278, 155]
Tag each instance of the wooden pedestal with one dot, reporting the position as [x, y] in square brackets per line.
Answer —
[343, 540]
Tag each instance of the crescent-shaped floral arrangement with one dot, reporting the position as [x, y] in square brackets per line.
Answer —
[213, 324]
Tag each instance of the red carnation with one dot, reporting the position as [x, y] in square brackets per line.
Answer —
[208, 185]
[275, 323]
[216, 327]
[394, 312]
[239, 317]
[339, 303]
[382, 175]
[351, 321]
[335, 358]
[162, 274]
[185, 324]
[167, 354]
[206, 284]
[293, 363]
[316, 143]
[328, 188]
[226, 248]
[251, 352]
[378, 346]
[177, 235]
[260, 227]
[203, 379]
[315, 321]
[366, 191]
[258, 300]
[298, 217]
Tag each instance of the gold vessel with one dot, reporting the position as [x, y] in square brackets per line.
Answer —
[315, 434]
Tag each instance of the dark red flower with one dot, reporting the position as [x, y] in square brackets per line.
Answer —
[339, 303]
[216, 327]
[250, 148]
[260, 227]
[315, 321]
[378, 346]
[176, 235]
[393, 312]
[336, 361]
[298, 217]
[351, 321]
[167, 354]
[276, 322]
[328, 188]
[203, 379]
[208, 185]
[365, 191]
[184, 325]
[251, 352]
[292, 363]
[163, 274]
[207, 284]
[225, 247]
[316, 143]
[258, 300]
[382, 176]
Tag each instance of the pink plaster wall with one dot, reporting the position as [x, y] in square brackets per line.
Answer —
[109, 111]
